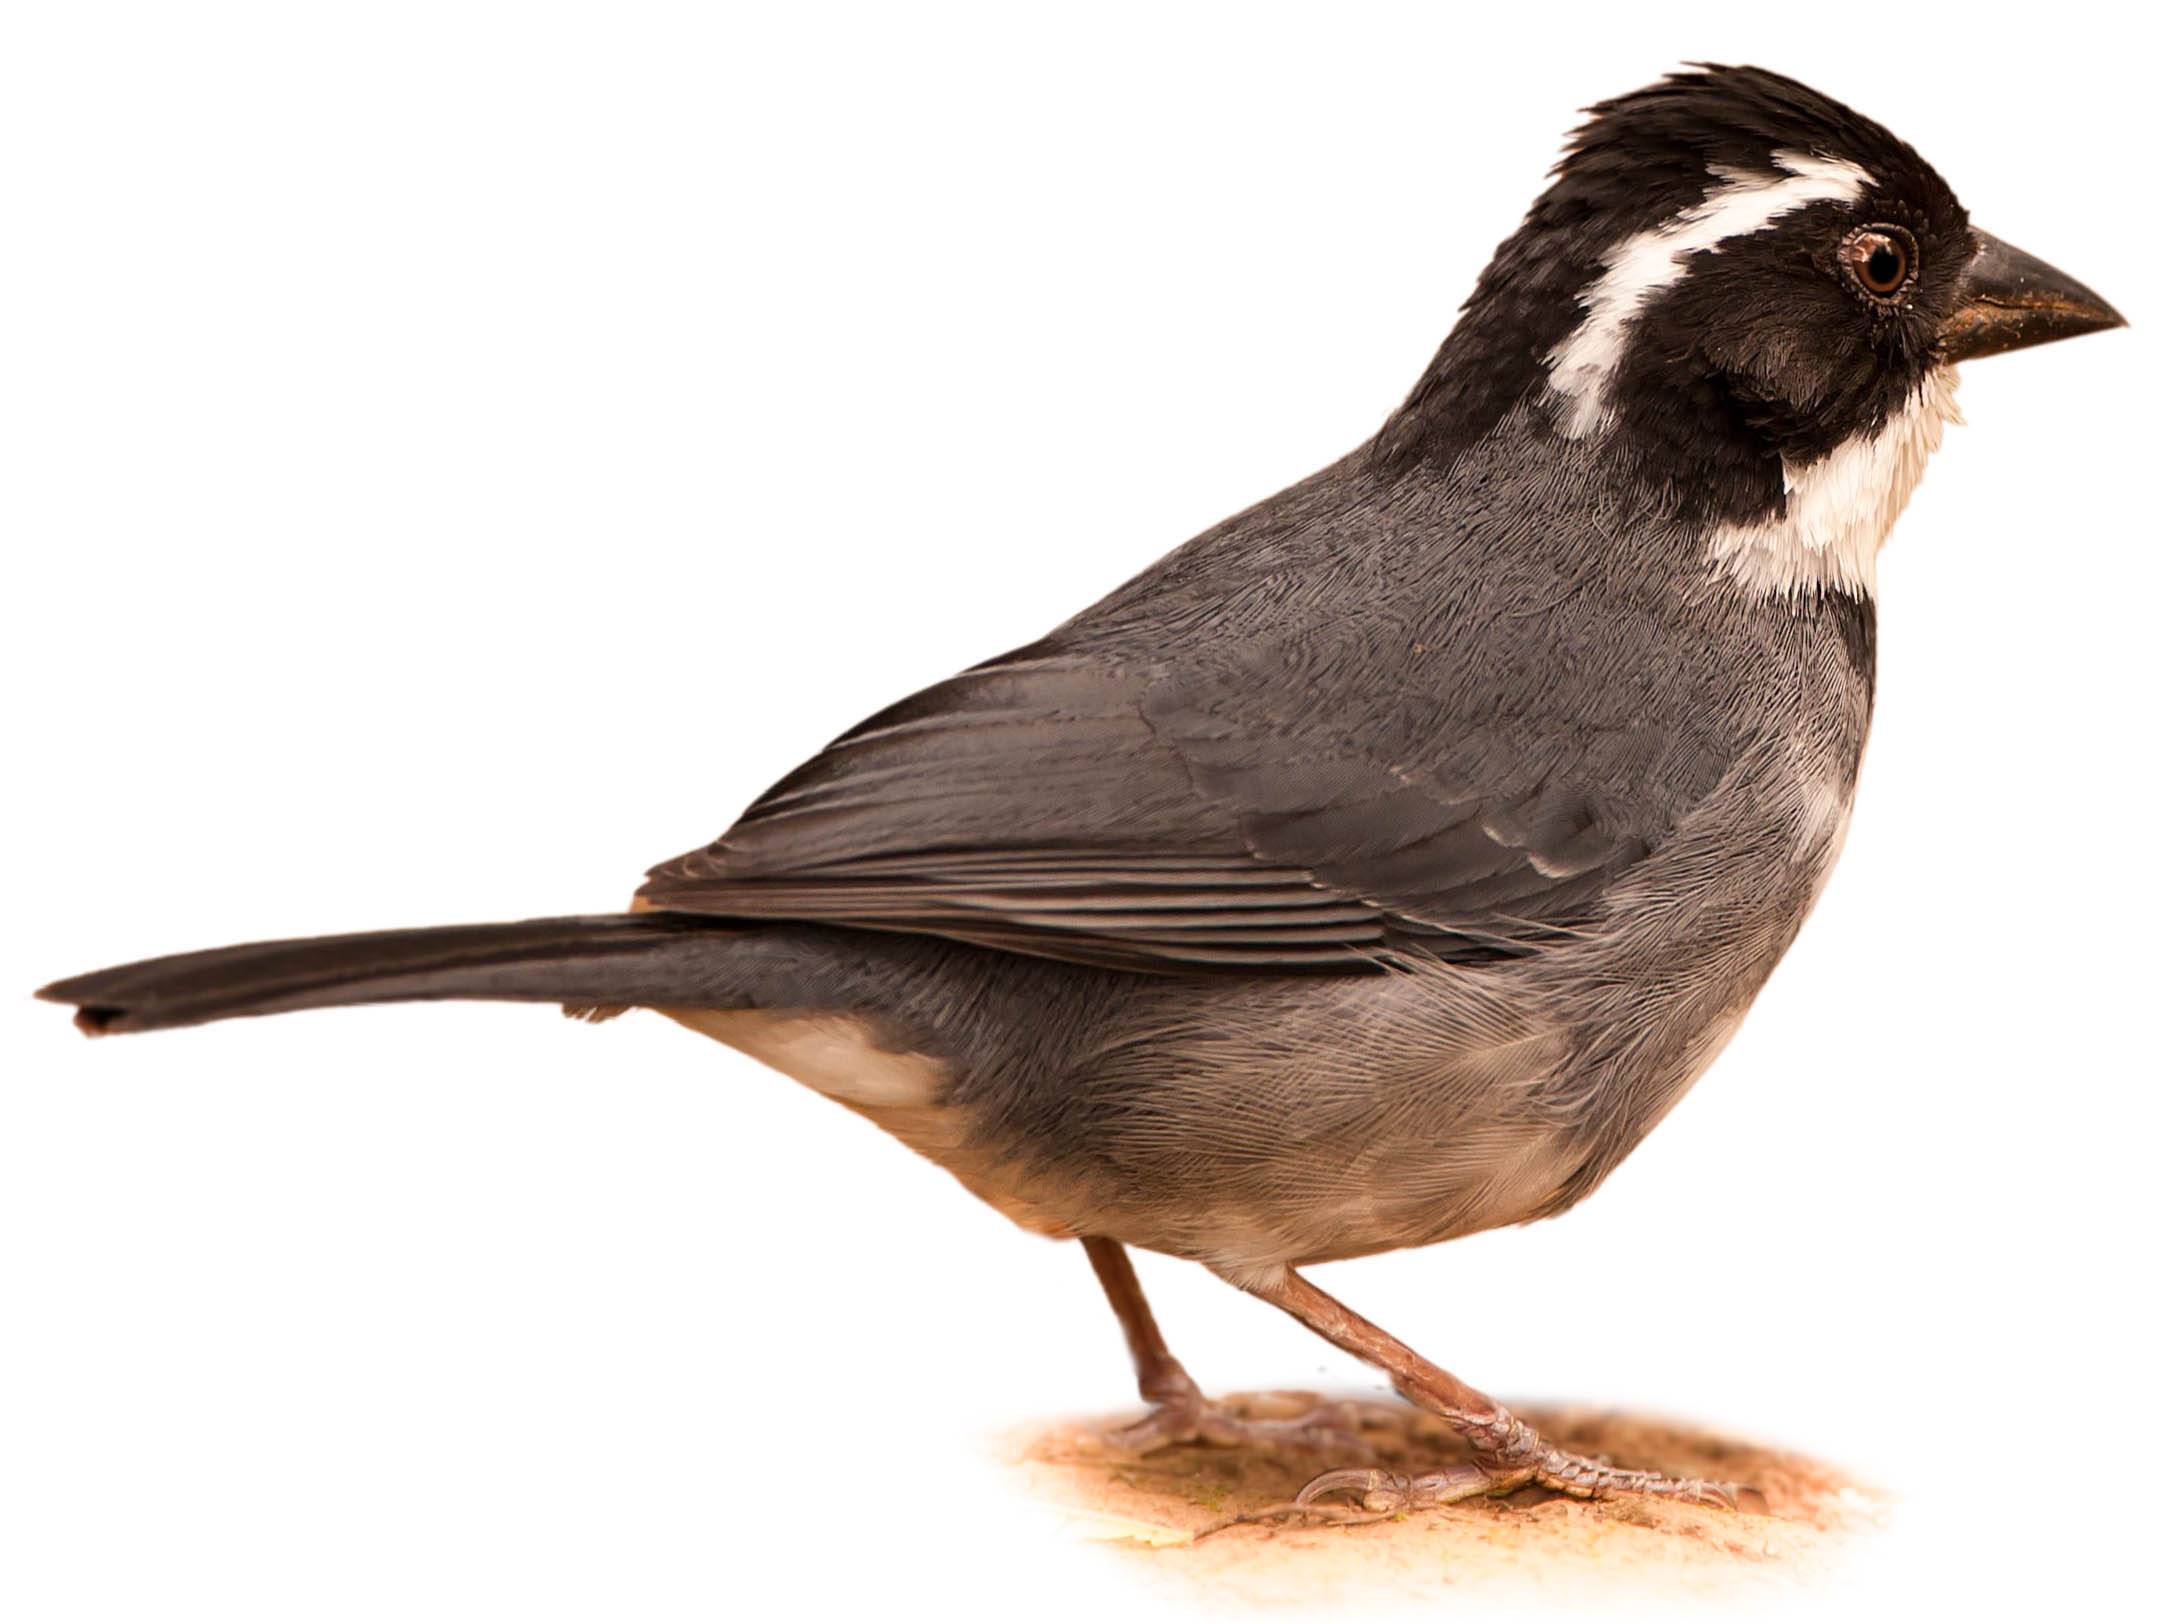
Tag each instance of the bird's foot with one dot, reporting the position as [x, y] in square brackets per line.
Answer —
[1509, 1455]
[1302, 1422]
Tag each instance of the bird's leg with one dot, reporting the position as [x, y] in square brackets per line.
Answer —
[1180, 1414]
[1508, 1454]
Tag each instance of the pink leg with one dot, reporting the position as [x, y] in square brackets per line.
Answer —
[1508, 1453]
[1179, 1413]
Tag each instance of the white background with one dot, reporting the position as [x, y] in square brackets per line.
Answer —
[457, 455]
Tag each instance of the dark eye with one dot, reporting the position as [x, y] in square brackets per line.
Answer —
[1882, 260]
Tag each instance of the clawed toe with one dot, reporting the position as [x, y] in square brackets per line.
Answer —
[1587, 1479]
[1539, 1463]
[1390, 1492]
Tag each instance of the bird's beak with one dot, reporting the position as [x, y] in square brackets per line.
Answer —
[2012, 301]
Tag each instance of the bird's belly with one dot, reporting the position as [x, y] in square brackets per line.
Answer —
[1441, 1195]
[1519, 1150]
[1252, 1124]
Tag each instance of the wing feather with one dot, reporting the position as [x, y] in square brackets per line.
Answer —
[1073, 808]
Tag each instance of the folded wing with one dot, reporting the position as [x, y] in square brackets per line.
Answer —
[1071, 805]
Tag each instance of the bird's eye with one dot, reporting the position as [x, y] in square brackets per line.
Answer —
[1882, 261]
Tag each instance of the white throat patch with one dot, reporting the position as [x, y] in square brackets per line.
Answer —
[1738, 204]
[1837, 511]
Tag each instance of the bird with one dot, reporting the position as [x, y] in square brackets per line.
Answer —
[1381, 865]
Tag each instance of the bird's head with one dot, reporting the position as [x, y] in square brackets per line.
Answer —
[1748, 301]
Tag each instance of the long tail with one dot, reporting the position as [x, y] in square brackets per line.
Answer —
[610, 959]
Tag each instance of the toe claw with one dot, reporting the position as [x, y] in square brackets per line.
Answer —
[1386, 1492]
[1365, 1484]
[1723, 1495]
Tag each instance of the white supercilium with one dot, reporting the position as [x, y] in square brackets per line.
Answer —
[1738, 204]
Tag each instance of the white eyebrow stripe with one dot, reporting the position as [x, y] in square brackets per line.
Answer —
[1738, 204]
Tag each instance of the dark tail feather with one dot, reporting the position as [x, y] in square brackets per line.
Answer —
[644, 958]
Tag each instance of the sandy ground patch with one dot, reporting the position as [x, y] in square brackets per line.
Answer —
[1170, 1513]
